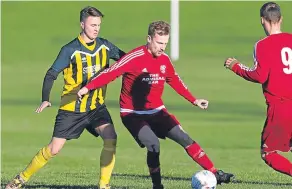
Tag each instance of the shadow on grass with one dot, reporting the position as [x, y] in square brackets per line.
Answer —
[189, 179]
[55, 186]
[134, 177]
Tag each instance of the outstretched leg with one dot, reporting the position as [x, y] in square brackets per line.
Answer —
[194, 150]
[37, 162]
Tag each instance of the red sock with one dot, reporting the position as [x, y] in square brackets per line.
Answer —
[279, 163]
[199, 156]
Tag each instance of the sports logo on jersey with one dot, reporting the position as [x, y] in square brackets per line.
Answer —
[162, 68]
[145, 70]
[83, 60]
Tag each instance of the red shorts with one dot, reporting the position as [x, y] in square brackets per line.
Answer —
[160, 123]
[277, 132]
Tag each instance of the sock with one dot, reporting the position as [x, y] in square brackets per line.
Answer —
[154, 167]
[37, 162]
[279, 163]
[199, 156]
[107, 161]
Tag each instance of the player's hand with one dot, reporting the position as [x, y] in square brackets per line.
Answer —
[229, 63]
[201, 103]
[43, 105]
[82, 92]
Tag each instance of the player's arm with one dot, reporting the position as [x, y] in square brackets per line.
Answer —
[115, 53]
[258, 73]
[106, 76]
[178, 85]
[62, 61]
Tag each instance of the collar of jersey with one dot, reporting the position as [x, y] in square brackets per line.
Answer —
[91, 47]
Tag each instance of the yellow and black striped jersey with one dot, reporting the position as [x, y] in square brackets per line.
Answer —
[80, 62]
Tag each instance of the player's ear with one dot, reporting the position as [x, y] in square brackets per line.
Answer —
[82, 25]
[149, 38]
[281, 19]
[262, 20]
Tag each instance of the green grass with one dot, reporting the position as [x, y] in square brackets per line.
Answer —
[229, 131]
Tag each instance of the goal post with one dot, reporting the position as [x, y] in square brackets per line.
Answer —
[174, 36]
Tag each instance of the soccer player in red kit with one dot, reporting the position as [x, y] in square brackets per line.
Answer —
[145, 71]
[273, 69]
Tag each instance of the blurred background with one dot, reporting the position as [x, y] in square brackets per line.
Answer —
[229, 131]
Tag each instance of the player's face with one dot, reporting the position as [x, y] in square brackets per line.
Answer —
[157, 44]
[91, 26]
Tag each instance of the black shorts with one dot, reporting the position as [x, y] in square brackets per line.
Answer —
[160, 123]
[70, 125]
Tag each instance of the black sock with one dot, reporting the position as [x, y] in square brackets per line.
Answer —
[154, 167]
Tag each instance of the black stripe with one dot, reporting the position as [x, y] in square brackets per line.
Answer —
[88, 103]
[100, 59]
[93, 63]
[107, 59]
[84, 79]
[89, 99]
[85, 68]
[74, 68]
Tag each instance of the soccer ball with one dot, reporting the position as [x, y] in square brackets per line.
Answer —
[204, 180]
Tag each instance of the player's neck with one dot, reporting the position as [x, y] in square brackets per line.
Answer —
[85, 38]
[275, 30]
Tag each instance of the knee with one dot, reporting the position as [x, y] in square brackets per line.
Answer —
[108, 132]
[152, 144]
[267, 156]
[110, 144]
[54, 149]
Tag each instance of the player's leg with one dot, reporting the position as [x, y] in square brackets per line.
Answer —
[68, 125]
[148, 138]
[101, 125]
[145, 137]
[276, 136]
[37, 162]
[193, 149]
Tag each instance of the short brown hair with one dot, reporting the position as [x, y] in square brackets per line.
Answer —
[271, 12]
[89, 11]
[158, 27]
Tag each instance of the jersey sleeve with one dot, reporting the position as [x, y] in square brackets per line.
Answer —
[259, 72]
[177, 84]
[62, 61]
[114, 52]
[117, 69]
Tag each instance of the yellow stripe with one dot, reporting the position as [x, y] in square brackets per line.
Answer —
[68, 102]
[89, 67]
[103, 57]
[100, 96]
[91, 47]
[79, 68]
[97, 63]
[93, 100]
[100, 92]
[83, 103]
[67, 99]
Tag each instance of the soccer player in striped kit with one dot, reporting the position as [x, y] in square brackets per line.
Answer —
[79, 60]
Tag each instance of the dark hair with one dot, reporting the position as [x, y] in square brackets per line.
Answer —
[160, 27]
[89, 11]
[271, 12]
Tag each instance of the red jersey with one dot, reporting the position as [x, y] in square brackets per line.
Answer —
[272, 67]
[143, 82]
